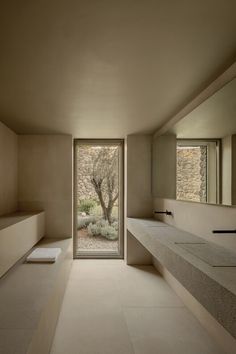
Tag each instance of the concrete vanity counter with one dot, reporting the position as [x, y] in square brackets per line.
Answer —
[213, 286]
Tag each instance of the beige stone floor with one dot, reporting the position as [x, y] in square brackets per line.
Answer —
[112, 308]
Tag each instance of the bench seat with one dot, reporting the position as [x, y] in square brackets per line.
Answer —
[19, 232]
[30, 301]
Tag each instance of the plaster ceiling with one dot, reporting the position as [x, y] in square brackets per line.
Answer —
[106, 68]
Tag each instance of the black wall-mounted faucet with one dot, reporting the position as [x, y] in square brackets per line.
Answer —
[224, 231]
[163, 212]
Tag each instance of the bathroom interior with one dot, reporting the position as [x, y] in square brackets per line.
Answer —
[118, 177]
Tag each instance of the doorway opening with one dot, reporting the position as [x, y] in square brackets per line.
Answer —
[98, 216]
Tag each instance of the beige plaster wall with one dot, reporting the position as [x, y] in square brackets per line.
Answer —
[164, 166]
[8, 170]
[227, 170]
[234, 169]
[138, 175]
[45, 180]
[201, 219]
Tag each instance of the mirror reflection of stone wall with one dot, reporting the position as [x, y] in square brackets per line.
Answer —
[191, 179]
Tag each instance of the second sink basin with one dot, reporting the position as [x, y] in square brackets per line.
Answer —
[214, 255]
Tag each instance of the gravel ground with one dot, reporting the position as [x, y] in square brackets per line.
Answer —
[86, 242]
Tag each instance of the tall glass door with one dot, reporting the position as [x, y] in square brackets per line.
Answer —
[98, 180]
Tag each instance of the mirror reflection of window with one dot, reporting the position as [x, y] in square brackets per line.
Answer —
[197, 178]
[206, 152]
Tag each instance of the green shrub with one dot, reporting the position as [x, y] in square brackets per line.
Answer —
[80, 223]
[115, 224]
[94, 230]
[102, 223]
[109, 232]
[85, 221]
[102, 228]
[86, 205]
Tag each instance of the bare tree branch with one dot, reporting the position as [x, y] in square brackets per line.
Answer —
[104, 178]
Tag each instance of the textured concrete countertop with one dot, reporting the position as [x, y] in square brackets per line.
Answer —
[25, 290]
[214, 287]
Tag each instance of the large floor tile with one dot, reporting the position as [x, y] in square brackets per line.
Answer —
[100, 269]
[93, 332]
[112, 308]
[143, 286]
[14, 318]
[92, 325]
[168, 331]
[98, 294]
[14, 341]
[91, 319]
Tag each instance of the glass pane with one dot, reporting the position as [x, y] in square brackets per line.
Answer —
[97, 181]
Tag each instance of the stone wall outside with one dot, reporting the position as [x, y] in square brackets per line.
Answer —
[85, 157]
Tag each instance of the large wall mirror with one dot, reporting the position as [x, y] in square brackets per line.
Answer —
[196, 159]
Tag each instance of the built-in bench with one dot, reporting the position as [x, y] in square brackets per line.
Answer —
[206, 275]
[19, 232]
[30, 300]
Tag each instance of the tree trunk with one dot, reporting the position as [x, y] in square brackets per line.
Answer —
[105, 210]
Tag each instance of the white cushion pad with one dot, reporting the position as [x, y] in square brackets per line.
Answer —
[44, 255]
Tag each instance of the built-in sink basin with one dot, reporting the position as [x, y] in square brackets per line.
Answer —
[190, 243]
[173, 235]
[211, 254]
[153, 223]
